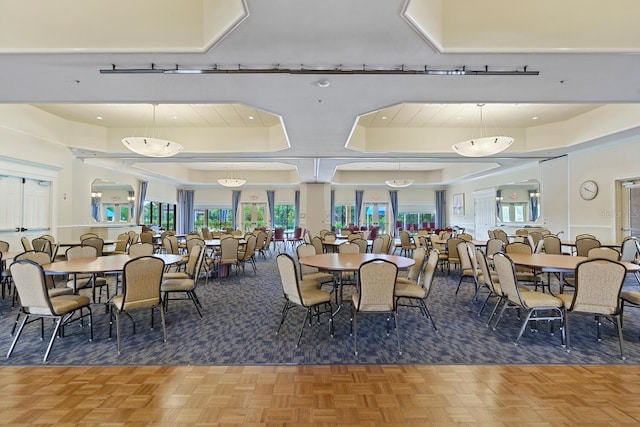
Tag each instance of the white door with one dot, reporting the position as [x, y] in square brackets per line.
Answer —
[25, 210]
[484, 203]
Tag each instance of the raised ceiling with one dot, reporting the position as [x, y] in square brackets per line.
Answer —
[358, 123]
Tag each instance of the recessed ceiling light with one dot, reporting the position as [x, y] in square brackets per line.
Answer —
[251, 117]
[99, 118]
[323, 83]
[175, 117]
[384, 117]
[534, 118]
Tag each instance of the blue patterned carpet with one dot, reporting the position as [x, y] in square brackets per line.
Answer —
[241, 315]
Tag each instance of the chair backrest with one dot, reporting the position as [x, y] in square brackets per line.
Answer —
[96, 242]
[463, 255]
[465, 236]
[604, 253]
[141, 249]
[419, 257]
[494, 246]
[133, 237]
[322, 233]
[378, 245]
[236, 233]
[597, 286]
[349, 248]
[518, 248]
[250, 247]
[4, 246]
[354, 236]
[279, 234]
[452, 247]
[170, 244]
[261, 240]
[194, 261]
[522, 232]
[81, 252]
[534, 237]
[316, 241]
[229, 250]
[507, 276]
[329, 237]
[585, 236]
[289, 278]
[87, 236]
[377, 282]
[123, 242]
[40, 258]
[486, 273]
[491, 234]
[141, 279]
[146, 237]
[297, 233]
[405, 239]
[386, 243]
[206, 234]
[502, 235]
[585, 244]
[26, 244]
[428, 272]
[268, 239]
[29, 280]
[552, 245]
[362, 244]
[303, 251]
[41, 245]
[630, 249]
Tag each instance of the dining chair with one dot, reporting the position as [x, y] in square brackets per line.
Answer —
[468, 271]
[95, 242]
[122, 244]
[141, 249]
[141, 280]
[417, 294]
[585, 244]
[537, 305]
[525, 274]
[489, 280]
[228, 257]
[452, 253]
[413, 275]
[552, 245]
[31, 286]
[387, 243]
[407, 245]
[362, 244]
[185, 285]
[598, 283]
[26, 244]
[312, 273]
[247, 254]
[88, 236]
[279, 238]
[376, 295]
[302, 293]
[630, 252]
[377, 247]
[604, 252]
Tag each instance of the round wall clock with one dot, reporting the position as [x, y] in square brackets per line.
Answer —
[588, 190]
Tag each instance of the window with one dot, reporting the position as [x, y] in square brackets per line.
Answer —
[416, 218]
[375, 215]
[212, 218]
[343, 216]
[519, 213]
[253, 215]
[285, 216]
[160, 214]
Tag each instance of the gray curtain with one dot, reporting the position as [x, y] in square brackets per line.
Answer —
[296, 206]
[440, 209]
[499, 204]
[393, 197]
[533, 204]
[271, 200]
[333, 208]
[95, 208]
[359, 196]
[235, 202]
[185, 215]
[142, 195]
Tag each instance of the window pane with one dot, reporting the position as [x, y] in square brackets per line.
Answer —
[284, 216]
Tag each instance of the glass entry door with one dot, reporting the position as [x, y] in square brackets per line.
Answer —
[253, 215]
[376, 216]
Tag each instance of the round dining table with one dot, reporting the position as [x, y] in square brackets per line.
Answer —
[101, 264]
[337, 262]
[552, 263]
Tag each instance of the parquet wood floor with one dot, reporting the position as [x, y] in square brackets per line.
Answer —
[320, 395]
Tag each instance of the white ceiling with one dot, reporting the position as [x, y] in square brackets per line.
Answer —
[319, 121]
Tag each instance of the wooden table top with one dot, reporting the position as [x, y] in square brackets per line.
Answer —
[556, 263]
[572, 243]
[351, 262]
[475, 242]
[9, 255]
[78, 242]
[101, 264]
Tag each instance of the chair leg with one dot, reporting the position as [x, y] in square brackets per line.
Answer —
[196, 302]
[304, 321]
[53, 337]
[504, 307]
[164, 325]
[15, 340]
[285, 310]
[619, 327]
[354, 324]
[118, 331]
[524, 325]
[395, 319]
[425, 311]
